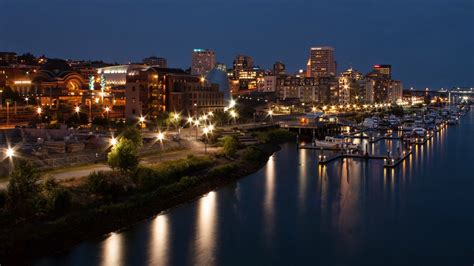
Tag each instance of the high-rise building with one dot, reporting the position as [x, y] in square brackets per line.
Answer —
[203, 61]
[321, 62]
[242, 63]
[383, 70]
[385, 89]
[8, 58]
[155, 61]
[354, 88]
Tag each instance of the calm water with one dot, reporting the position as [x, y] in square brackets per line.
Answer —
[294, 212]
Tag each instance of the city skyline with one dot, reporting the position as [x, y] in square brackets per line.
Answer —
[425, 51]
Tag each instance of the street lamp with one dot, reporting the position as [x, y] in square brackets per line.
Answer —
[233, 114]
[206, 131]
[232, 103]
[9, 152]
[26, 100]
[270, 113]
[161, 137]
[113, 141]
[142, 120]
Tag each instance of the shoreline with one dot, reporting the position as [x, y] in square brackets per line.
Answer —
[32, 241]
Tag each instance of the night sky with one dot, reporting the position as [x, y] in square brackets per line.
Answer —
[428, 42]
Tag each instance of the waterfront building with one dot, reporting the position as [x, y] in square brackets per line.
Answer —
[304, 89]
[385, 88]
[354, 88]
[203, 61]
[321, 62]
[154, 90]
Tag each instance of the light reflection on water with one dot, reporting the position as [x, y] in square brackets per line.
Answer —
[159, 241]
[112, 250]
[206, 230]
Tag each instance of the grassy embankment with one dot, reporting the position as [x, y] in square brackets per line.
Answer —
[109, 201]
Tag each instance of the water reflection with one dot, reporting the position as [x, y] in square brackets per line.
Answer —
[112, 250]
[159, 241]
[269, 201]
[206, 230]
[303, 175]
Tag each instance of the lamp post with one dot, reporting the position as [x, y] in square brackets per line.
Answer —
[161, 137]
[107, 110]
[270, 113]
[176, 119]
[206, 131]
[196, 124]
[233, 114]
[9, 152]
[142, 121]
[39, 110]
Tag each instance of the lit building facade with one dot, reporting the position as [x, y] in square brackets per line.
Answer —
[242, 63]
[203, 61]
[154, 90]
[155, 61]
[321, 62]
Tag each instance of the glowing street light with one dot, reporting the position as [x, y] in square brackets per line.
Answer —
[39, 110]
[210, 114]
[313, 109]
[232, 103]
[161, 137]
[233, 114]
[9, 152]
[77, 109]
[113, 141]
[270, 113]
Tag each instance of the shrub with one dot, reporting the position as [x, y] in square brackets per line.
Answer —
[275, 136]
[3, 198]
[171, 172]
[58, 199]
[123, 156]
[147, 178]
[109, 183]
[252, 154]
[280, 136]
[223, 170]
[230, 145]
[23, 191]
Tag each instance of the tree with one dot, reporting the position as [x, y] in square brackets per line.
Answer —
[123, 155]
[23, 191]
[230, 145]
[134, 135]
[221, 118]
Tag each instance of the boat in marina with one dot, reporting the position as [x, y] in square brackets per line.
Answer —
[335, 143]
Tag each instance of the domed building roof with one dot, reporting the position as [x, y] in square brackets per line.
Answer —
[218, 75]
